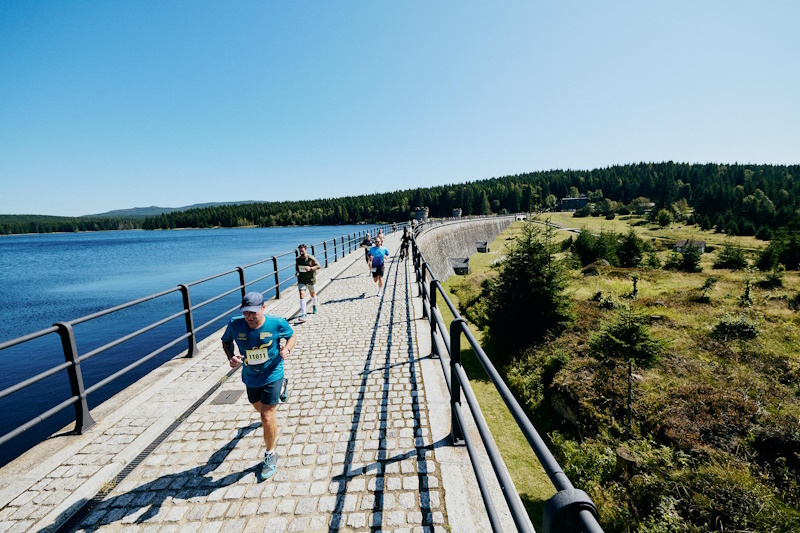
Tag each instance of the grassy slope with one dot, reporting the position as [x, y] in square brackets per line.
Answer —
[745, 368]
[530, 479]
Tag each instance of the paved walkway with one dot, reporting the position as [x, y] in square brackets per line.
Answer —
[356, 444]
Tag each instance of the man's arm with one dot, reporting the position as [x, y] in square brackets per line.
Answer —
[288, 346]
[233, 359]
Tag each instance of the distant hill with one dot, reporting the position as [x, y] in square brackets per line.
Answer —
[142, 212]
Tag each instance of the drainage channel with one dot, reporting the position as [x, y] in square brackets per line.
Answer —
[74, 520]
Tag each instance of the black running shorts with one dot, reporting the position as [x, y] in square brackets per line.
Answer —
[269, 394]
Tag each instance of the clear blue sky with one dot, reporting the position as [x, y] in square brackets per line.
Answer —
[111, 105]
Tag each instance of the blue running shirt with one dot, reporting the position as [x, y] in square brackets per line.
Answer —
[378, 254]
[259, 344]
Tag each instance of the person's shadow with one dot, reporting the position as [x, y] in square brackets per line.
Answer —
[186, 485]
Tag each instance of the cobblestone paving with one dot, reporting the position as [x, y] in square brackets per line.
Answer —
[354, 441]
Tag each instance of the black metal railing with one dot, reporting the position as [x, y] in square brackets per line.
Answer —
[569, 509]
[332, 251]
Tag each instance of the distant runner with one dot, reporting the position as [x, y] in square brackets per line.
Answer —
[367, 244]
[258, 337]
[377, 254]
[306, 267]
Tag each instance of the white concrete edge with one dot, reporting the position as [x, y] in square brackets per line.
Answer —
[93, 484]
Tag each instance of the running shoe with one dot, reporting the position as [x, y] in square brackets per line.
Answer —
[302, 318]
[284, 390]
[269, 466]
[314, 309]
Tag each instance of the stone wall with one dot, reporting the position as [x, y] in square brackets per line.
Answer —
[440, 243]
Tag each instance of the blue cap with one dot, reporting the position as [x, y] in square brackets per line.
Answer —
[252, 302]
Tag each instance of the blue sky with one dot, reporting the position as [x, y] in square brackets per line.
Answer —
[111, 105]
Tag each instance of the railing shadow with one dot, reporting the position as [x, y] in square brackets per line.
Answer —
[143, 503]
[380, 465]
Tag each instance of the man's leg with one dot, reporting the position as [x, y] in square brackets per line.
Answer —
[270, 425]
[302, 303]
[313, 300]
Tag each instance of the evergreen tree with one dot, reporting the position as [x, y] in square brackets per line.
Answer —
[527, 300]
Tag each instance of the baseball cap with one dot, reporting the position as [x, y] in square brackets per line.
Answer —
[252, 302]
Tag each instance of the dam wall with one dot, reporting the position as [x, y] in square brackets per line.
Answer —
[456, 239]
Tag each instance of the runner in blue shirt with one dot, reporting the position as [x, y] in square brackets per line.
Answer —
[258, 337]
[377, 255]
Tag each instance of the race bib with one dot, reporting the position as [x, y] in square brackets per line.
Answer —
[256, 356]
[374, 269]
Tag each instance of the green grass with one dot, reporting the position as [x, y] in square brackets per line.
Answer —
[757, 372]
[533, 485]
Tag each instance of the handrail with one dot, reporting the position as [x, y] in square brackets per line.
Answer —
[569, 509]
[73, 360]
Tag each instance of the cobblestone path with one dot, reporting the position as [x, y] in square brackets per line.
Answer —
[355, 447]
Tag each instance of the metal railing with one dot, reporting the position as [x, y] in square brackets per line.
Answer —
[332, 251]
[569, 509]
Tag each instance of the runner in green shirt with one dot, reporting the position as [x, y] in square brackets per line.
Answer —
[306, 267]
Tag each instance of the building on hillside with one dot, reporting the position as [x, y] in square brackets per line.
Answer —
[681, 245]
[573, 204]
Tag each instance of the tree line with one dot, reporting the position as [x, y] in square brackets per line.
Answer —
[735, 199]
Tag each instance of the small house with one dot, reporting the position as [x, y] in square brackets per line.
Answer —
[460, 265]
[573, 204]
[482, 246]
[680, 246]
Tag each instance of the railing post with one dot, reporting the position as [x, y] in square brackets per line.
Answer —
[277, 281]
[83, 419]
[456, 431]
[335, 252]
[187, 306]
[312, 251]
[432, 289]
[325, 249]
[349, 244]
[241, 280]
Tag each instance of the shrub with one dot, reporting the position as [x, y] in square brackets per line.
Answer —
[730, 327]
[785, 249]
[687, 260]
[794, 303]
[732, 257]
[630, 250]
[774, 278]
[653, 261]
[527, 299]
[587, 463]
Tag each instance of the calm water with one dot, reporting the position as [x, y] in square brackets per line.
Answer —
[58, 277]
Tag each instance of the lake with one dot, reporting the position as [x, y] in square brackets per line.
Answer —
[51, 278]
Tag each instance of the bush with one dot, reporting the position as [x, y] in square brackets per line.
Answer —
[784, 249]
[773, 278]
[587, 463]
[731, 327]
[527, 299]
[630, 250]
[687, 261]
[732, 257]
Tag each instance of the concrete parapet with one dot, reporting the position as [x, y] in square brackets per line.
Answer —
[439, 243]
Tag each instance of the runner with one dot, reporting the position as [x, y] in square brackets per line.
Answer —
[306, 267]
[377, 254]
[405, 241]
[367, 244]
[258, 337]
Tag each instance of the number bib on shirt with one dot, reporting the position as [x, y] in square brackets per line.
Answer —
[256, 356]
